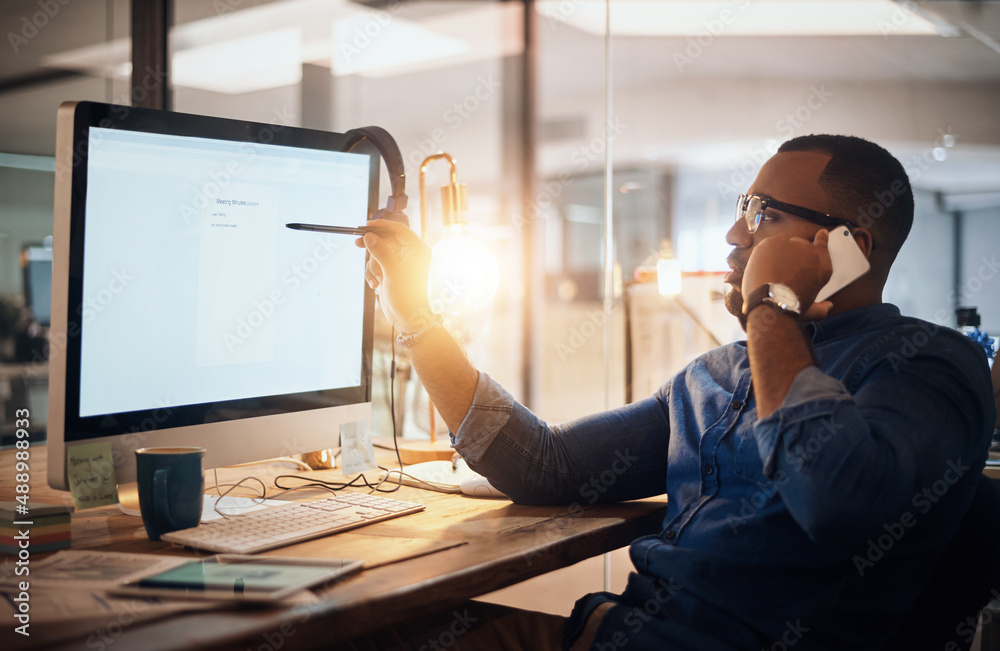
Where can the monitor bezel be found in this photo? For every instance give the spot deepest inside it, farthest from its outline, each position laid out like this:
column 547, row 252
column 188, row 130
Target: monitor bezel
column 308, row 420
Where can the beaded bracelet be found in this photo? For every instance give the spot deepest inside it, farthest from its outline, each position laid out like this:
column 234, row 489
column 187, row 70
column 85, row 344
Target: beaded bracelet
column 407, row 339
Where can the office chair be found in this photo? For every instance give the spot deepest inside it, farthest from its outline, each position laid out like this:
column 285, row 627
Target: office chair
column 964, row 581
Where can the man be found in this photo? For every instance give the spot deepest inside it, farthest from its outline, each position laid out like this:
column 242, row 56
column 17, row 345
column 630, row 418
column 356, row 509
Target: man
column 814, row 472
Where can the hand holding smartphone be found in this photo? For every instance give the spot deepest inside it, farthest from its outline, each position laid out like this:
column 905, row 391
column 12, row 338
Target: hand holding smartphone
column 849, row 262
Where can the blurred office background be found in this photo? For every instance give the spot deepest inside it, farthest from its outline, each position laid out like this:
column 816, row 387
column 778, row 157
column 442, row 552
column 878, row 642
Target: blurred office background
column 560, row 122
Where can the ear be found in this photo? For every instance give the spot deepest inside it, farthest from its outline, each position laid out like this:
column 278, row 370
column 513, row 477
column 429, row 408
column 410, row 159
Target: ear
column 863, row 237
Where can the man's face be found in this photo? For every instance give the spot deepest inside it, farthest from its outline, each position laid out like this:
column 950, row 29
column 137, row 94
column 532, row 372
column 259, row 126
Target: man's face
column 791, row 177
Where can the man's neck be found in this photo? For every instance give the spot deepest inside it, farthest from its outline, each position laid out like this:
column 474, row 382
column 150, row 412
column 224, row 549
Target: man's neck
column 852, row 298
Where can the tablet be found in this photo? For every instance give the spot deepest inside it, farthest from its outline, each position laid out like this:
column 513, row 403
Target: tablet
column 235, row 577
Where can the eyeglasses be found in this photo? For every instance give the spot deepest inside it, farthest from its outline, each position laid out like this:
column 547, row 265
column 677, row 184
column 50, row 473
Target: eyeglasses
column 751, row 207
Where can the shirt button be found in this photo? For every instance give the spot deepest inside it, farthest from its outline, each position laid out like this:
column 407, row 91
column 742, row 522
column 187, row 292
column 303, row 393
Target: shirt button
column 736, row 404
column 709, row 469
column 670, row 534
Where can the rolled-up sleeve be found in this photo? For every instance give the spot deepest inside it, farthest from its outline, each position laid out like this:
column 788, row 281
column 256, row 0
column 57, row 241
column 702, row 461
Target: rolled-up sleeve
column 491, row 407
column 612, row 456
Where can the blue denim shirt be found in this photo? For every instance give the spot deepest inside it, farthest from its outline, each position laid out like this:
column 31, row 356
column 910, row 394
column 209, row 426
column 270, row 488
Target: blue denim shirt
column 815, row 527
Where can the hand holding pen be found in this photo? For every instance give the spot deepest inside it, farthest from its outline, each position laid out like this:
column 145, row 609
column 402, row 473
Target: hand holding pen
column 397, row 268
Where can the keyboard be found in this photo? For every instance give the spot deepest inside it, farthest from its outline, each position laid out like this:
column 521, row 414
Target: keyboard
column 294, row 522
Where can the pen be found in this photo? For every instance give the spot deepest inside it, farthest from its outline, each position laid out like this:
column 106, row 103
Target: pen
column 250, row 559
column 343, row 230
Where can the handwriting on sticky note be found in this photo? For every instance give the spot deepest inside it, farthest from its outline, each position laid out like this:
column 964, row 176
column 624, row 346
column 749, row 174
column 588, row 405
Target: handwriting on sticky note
column 91, row 473
column 356, row 449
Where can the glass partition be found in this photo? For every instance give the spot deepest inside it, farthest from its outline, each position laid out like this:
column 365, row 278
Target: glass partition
column 439, row 76
column 707, row 91
column 35, row 77
column 700, row 94
column 656, row 121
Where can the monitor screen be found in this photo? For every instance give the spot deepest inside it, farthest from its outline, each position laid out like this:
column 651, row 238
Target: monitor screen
column 184, row 312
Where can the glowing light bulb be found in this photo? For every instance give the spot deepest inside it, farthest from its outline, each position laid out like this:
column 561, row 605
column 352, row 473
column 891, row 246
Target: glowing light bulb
column 464, row 275
column 668, row 271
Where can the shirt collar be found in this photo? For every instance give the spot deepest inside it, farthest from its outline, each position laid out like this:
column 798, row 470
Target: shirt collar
column 851, row 321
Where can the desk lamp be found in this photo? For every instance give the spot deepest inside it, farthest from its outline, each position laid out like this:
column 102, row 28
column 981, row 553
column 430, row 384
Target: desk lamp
column 463, row 278
column 463, row 274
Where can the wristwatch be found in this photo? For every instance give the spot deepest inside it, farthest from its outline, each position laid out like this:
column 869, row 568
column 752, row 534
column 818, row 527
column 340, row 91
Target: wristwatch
column 779, row 295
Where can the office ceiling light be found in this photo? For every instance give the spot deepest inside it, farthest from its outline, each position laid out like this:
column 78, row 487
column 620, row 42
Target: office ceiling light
column 379, row 44
column 242, row 65
column 257, row 61
column 111, row 59
column 311, row 18
column 221, row 53
column 747, row 18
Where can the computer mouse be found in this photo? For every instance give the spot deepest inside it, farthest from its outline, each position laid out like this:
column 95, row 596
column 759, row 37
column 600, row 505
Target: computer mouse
column 479, row 486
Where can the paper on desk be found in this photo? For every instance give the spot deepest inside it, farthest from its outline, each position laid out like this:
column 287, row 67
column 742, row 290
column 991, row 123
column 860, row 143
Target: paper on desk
column 82, row 569
column 229, row 505
column 92, row 608
column 234, row 506
column 67, row 596
column 444, row 476
column 356, row 450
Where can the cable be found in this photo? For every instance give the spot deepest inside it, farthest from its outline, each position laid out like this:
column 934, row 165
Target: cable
column 333, row 486
column 433, row 485
column 392, row 415
column 292, row 460
column 261, row 494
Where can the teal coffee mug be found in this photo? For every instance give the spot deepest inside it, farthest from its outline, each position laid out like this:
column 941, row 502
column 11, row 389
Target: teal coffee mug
column 171, row 486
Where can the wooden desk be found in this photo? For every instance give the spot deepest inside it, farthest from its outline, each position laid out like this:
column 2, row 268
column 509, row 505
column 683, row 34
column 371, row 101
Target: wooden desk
column 458, row 548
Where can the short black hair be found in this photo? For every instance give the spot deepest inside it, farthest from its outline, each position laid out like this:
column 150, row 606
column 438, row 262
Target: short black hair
column 866, row 185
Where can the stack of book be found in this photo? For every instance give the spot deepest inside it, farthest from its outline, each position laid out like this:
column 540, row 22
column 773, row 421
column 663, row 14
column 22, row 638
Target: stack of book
column 34, row 526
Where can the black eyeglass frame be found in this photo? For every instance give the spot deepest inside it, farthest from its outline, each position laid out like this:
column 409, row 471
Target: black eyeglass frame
column 816, row 217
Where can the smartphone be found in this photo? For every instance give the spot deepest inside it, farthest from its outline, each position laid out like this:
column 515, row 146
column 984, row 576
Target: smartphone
column 849, row 262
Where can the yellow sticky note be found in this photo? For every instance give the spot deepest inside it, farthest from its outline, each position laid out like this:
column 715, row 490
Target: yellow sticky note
column 91, row 473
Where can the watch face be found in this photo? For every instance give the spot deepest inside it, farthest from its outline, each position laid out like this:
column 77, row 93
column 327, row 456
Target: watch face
column 784, row 297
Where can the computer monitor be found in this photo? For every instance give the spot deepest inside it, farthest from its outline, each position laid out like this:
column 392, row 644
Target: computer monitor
column 36, row 271
column 183, row 311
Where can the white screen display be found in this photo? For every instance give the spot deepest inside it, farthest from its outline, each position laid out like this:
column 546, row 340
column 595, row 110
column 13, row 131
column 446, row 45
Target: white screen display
column 193, row 289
